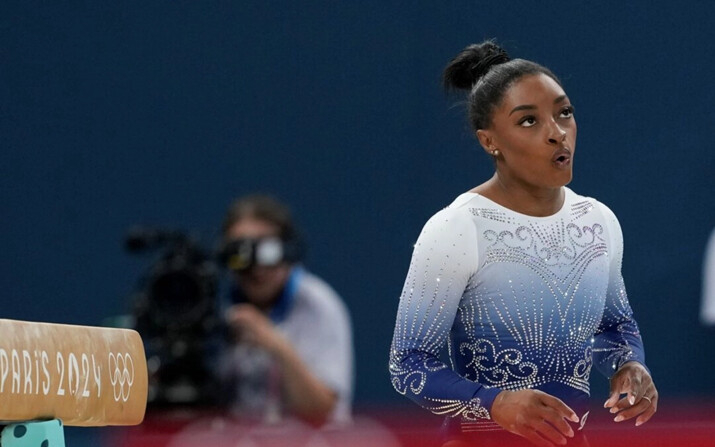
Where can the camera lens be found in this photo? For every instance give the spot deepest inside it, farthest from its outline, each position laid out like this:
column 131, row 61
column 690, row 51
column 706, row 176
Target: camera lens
column 177, row 298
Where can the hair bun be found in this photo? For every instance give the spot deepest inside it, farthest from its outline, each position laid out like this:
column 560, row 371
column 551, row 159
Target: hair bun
column 473, row 63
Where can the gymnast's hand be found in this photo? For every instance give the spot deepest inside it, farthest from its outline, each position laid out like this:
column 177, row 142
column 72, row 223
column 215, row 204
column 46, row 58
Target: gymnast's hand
column 535, row 415
column 641, row 397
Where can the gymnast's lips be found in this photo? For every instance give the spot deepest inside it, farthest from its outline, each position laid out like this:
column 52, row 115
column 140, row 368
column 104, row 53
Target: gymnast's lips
column 562, row 158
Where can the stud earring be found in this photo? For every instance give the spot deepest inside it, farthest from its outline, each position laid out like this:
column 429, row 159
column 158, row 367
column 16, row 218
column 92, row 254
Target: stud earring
column 495, row 153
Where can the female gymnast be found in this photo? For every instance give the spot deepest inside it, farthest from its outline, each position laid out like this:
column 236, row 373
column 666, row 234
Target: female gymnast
column 519, row 278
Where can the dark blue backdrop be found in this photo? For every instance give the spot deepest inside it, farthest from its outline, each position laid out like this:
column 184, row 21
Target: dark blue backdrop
column 161, row 112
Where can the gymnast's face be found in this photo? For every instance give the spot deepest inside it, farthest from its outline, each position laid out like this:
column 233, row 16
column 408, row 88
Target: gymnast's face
column 535, row 132
column 260, row 284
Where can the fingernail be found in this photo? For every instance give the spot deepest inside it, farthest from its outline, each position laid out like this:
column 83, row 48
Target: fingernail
column 574, row 418
column 618, row 418
column 638, row 423
column 632, row 400
column 570, row 433
column 614, row 410
column 605, row 404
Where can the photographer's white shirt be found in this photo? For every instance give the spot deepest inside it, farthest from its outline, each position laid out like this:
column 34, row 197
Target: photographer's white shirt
column 316, row 321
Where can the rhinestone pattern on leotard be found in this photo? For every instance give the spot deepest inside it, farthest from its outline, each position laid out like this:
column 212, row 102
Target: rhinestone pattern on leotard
column 519, row 302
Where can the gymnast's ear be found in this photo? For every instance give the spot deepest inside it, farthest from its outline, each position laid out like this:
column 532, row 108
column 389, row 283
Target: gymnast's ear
column 486, row 140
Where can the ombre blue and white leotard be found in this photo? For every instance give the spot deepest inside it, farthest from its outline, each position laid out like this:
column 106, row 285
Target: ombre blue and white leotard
column 517, row 301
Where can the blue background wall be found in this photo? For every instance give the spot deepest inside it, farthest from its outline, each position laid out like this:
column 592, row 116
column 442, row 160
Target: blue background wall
column 161, row 112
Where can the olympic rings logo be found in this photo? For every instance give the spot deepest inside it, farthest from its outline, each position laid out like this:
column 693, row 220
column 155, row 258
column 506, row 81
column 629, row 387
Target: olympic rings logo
column 121, row 375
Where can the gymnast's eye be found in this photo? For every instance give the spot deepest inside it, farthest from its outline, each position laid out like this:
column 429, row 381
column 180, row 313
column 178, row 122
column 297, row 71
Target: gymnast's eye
column 566, row 112
column 527, row 121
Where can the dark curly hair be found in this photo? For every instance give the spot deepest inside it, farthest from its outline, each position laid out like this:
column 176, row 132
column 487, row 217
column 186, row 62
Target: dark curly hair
column 262, row 207
column 486, row 71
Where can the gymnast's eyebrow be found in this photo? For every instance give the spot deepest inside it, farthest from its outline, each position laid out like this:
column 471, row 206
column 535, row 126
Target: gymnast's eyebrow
column 531, row 106
column 523, row 107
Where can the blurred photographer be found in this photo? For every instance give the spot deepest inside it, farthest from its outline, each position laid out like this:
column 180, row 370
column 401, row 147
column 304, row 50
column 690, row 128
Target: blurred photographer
column 292, row 353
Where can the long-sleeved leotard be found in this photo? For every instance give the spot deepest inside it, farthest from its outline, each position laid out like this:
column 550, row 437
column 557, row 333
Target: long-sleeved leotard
column 518, row 301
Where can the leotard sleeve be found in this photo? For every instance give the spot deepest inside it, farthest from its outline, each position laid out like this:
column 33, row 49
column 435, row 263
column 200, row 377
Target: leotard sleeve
column 617, row 339
column 443, row 261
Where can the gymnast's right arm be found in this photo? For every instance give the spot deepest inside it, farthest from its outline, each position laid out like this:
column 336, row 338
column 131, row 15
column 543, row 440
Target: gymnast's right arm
column 444, row 258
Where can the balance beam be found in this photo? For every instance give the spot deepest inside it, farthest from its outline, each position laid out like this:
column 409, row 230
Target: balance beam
column 84, row 376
